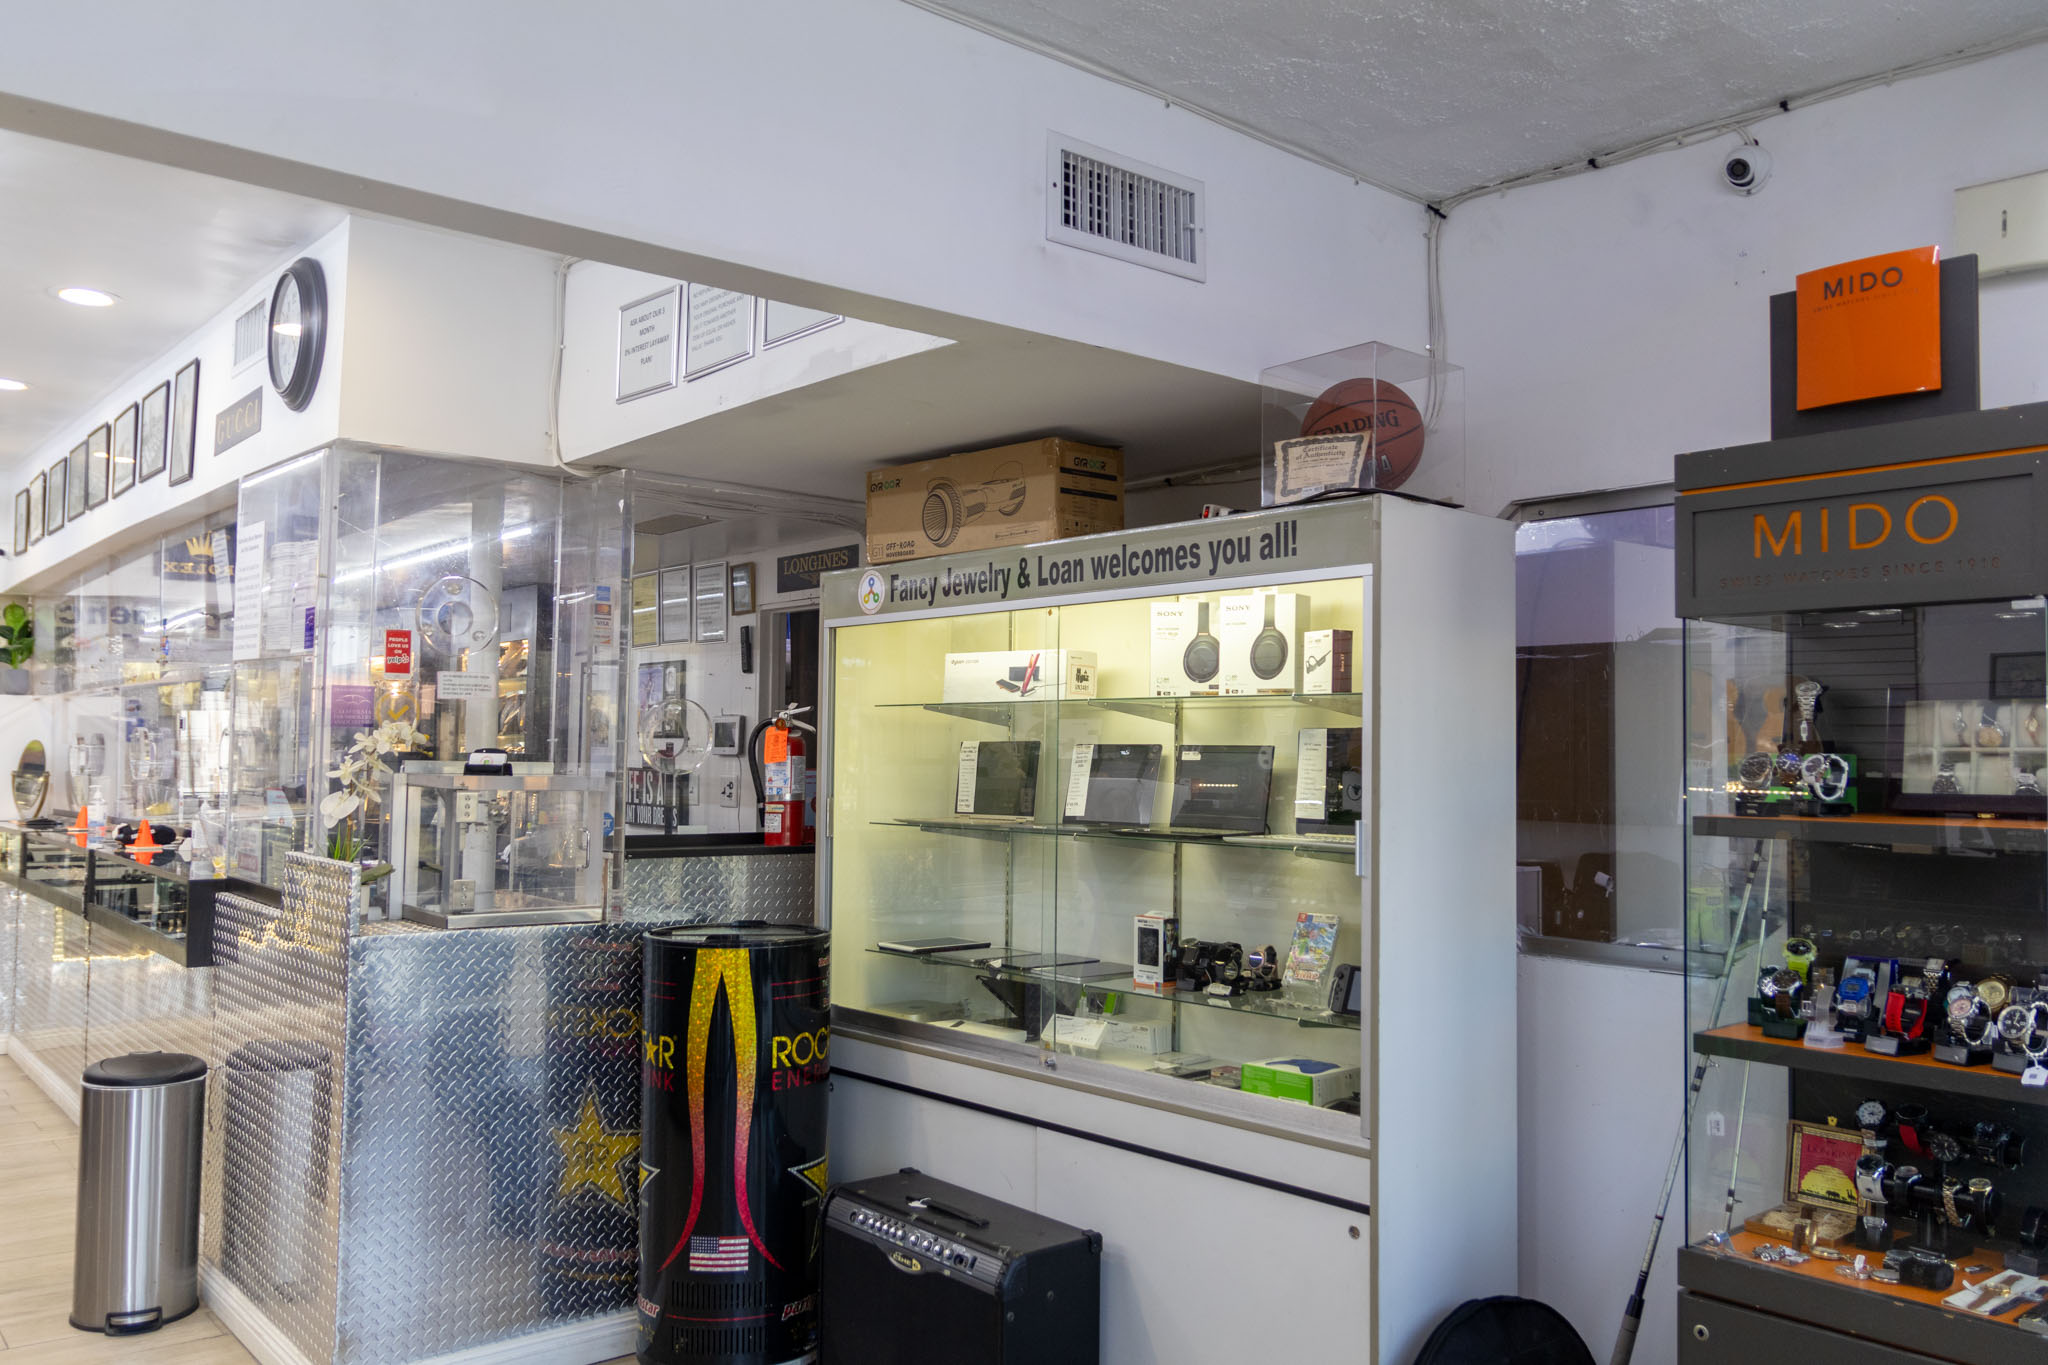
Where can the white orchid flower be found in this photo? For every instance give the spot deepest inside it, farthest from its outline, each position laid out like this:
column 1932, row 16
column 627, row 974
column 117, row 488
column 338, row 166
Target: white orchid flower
column 338, row 806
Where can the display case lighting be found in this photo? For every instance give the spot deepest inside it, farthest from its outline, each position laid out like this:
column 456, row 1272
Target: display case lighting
column 86, row 298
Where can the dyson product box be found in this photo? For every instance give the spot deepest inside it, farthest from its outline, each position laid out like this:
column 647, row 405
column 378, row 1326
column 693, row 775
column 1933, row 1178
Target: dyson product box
column 1020, row 675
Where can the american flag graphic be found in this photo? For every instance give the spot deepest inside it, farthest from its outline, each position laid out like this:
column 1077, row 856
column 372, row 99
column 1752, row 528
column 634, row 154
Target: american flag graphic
column 718, row 1255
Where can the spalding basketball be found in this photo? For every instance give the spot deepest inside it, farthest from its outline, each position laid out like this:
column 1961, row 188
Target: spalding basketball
column 1377, row 408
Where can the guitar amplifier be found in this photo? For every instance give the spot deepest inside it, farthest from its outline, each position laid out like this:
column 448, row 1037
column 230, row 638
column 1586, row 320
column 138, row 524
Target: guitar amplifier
column 914, row 1271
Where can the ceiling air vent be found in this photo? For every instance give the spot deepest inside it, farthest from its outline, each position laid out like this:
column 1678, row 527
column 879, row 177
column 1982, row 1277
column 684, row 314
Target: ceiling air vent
column 1101, row 202
column 249, row 332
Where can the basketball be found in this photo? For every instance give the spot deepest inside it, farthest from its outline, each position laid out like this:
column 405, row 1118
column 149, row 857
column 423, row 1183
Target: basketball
column 1380, row 410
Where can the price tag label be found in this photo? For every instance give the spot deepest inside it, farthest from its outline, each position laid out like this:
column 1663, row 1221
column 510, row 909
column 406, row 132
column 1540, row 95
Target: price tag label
column 2035, row 1076
column 963, row 790
column 1077, row 779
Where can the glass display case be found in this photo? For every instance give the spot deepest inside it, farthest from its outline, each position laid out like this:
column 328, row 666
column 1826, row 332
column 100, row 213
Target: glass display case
column 1866, row 898
column 398, row 611
column 1112, row 802
column 516, row 847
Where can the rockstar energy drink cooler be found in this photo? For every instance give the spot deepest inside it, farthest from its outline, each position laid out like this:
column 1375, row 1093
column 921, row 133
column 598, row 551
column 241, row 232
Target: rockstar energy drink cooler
column 736, row 1028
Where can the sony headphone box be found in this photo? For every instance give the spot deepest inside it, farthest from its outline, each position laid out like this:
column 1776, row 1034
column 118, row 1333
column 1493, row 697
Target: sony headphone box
column 1049, row 489
column 1187, row 655
column 1261, row 637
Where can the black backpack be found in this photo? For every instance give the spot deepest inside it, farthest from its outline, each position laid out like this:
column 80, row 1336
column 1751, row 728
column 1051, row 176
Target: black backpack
column 1504, row 1331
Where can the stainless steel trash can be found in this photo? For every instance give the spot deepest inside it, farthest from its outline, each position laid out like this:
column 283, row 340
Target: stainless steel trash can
column 140, row 1130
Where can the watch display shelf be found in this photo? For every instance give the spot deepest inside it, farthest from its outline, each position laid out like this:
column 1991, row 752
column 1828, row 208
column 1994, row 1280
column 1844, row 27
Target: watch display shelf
column 1931, row 900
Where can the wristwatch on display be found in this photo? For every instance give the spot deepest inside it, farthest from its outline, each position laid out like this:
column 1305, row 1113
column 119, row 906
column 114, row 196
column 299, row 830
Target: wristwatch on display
column 1905, row 1009
column 1799, row 955
column 1980, row 1191
column 1826, row 776
column 1806, row 692
column 1990, row 734
column 1781, row 989
column 1870, row 1116
column 1755, row 769
column 1994, row 990
column 1949, row 1190
column 1945, row 783
column 1994, row 1144
column 1852, row 997
column 1870, row 1173
column 1966, row 1009
column 1912, row 1125
column 1943, row 1147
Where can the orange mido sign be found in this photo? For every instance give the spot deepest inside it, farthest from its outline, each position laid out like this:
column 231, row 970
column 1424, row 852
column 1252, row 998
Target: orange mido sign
column 1870, row 328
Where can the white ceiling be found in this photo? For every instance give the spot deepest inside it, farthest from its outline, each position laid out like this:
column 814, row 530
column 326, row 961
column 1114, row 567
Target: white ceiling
column 1431, row 97
column 175, row 247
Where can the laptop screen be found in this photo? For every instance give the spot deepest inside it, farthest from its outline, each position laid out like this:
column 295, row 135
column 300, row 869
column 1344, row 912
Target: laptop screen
column 1112, row 784
column 1222, row 787
column 997, row 777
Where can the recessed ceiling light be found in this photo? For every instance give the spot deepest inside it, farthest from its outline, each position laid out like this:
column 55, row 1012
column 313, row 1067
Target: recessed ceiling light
column 86, row 298
column 11, row 386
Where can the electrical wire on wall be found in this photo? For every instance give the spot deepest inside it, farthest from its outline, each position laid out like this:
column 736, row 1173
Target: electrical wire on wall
column 1439, row 342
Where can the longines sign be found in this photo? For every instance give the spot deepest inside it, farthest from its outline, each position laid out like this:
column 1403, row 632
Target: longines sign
column 1949, row 531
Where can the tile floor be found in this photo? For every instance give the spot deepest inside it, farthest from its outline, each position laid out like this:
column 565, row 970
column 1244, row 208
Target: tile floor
column 38, row 1190
column 38, row 1184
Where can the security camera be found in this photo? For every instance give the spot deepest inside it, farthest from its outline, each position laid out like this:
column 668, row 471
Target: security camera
column 1746, row 168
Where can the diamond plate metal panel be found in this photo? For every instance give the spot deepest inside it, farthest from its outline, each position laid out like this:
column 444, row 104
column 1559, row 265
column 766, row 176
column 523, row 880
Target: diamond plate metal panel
column 272, row 1225
column 492, row 1144
column 50, row 995
column 778, row 888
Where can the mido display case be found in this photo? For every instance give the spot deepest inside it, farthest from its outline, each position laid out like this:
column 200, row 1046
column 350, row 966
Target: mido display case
column 1867, row 914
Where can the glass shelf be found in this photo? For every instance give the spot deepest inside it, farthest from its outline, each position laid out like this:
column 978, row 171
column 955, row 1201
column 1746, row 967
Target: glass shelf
column 1089, row 976
column 1163, row 709
column 1294, row 843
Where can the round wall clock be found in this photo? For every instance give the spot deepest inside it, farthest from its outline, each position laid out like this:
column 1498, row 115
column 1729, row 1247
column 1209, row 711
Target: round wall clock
column 298, row 331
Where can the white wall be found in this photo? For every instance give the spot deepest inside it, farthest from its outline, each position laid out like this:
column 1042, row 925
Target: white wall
column 1611, row 320
column 155, row 506
column 841, row 154
column 594, row 420
column 452, row 344
column 436, row 343
column 1602, row 1081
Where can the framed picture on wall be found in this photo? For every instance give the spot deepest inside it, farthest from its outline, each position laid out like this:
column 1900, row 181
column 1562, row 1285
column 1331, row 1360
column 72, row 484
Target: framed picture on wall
column 56, row 504
column 710, row 606
column 97, row 447
column 70, row 493
column 21, row 521
column 37, row 494
column 742, row 595
column 675, row 606
column 127, row 428
column 184, row 421
column 153, row 449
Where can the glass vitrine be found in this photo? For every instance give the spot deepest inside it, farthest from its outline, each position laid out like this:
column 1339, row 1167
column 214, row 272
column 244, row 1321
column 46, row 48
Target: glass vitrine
column 400, row 610
column 1867, row 911
column 1123, row 828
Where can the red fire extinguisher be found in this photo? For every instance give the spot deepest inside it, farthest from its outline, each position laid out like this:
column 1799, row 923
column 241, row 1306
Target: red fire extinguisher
column 785, row 789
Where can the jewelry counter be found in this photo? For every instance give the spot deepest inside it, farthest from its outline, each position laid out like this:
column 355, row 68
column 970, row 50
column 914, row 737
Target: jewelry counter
column 425, row 1141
